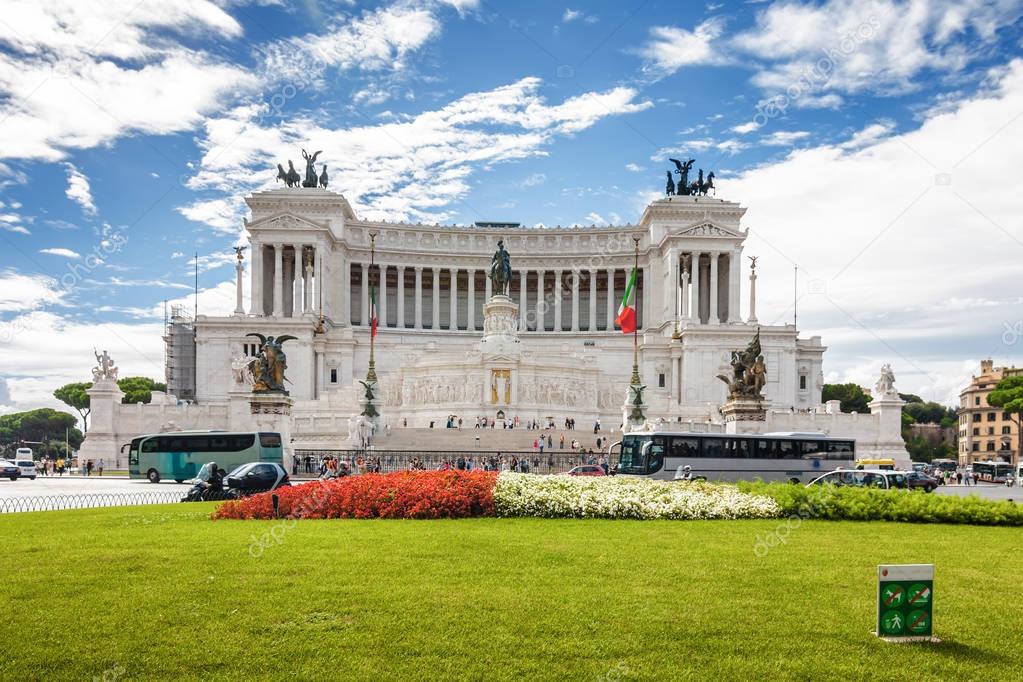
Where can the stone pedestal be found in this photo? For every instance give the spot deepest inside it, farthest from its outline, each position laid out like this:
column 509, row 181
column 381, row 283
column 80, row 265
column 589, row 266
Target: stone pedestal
column 888, row 407
column 500, row 328
column 272, row 412
column 633, row 411
column 101, row 439
column 744, row 415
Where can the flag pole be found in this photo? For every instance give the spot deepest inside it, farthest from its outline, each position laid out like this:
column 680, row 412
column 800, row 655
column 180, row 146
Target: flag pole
column 635, row 329
column 371, row 374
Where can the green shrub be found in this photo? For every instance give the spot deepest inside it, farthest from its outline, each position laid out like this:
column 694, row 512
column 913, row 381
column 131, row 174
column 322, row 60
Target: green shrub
column 871, row 504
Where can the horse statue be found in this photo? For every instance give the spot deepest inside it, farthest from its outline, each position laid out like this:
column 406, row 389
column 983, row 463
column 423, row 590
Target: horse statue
column 282, row 175
column 310, row 169
column 292, row 178
column 683, row 174
column 702, row 186
column 323, row 177
column 710, row 183
column 500, row 270
column 669, row 188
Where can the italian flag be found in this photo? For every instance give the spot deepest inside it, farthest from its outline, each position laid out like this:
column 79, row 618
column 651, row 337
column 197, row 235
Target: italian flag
column 373, row 311
column 626, row 311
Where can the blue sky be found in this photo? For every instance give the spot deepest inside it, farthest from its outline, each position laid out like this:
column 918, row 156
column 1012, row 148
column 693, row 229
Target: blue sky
column 872, row 140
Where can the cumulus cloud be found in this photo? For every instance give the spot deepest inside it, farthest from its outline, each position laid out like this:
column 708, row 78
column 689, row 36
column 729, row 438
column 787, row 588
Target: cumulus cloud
column 907, row 243
column 814, row 53
column 412, row 168
column 20, row 292
column 78, row 189
column 77, row 75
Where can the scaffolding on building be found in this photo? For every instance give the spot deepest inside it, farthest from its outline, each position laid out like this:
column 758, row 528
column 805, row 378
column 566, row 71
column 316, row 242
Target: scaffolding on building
column 179, row 352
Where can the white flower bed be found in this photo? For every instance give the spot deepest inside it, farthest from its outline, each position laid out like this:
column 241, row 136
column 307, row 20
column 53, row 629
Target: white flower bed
column 622, row 497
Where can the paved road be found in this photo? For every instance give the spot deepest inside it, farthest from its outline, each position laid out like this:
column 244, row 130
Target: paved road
column 987, row 491
column 72, row 485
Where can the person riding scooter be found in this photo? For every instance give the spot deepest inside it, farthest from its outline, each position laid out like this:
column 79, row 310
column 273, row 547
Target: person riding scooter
column 207, row 485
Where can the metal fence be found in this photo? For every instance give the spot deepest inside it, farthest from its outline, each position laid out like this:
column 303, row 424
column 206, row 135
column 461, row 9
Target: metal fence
column 11, row 505
column 548, row 462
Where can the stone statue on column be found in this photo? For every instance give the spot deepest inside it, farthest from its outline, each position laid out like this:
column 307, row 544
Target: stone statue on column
column 500, row 270
column 105, row 369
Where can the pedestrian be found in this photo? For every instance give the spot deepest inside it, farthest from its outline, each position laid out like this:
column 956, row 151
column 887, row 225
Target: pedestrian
column 562, row 442
column 88, row 468
column 100, row 467
column 459, row 423
column 294, row 465
column 541, row 444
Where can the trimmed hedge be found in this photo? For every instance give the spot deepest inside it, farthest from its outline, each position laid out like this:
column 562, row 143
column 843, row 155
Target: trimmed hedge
column 871, row 504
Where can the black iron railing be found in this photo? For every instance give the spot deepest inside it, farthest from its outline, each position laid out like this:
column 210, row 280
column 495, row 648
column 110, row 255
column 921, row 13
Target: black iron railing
column 91, row 501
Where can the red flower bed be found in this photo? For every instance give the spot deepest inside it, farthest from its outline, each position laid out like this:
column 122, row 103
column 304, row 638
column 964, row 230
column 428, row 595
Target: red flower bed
column 397, row 495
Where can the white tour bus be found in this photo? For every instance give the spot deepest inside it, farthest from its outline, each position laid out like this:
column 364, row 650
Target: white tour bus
column 795, row 457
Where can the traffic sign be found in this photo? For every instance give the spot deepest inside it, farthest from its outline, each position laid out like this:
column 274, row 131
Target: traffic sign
column 905, row 597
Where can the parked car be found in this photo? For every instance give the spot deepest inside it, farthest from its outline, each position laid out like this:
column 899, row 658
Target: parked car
column 27, row 468
column 9, row 470
column 863, row 478
column 918, row 479
column 587, row 470
column 256, row 477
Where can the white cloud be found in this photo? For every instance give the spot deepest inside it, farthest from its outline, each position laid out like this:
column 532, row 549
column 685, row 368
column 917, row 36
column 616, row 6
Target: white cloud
column 62, row 252
column 78, row 75
column 633, row 168
column 744, row 128
column 78, row 189
column 571, row 15
column 810, row 54
column 671, row 48
column 20, row 293
column 869, row 135
column 534, row 180
column 731, row 147
column 894, row 237
column 784, row 138
column 412, row 168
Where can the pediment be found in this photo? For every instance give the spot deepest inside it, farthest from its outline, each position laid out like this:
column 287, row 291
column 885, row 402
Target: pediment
column 285, row 221
column 708, row 228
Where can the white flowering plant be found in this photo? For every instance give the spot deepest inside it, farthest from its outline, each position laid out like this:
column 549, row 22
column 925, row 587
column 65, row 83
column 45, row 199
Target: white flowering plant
column 623, row 497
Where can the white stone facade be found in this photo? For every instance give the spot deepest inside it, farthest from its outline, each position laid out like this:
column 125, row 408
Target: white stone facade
column 310, row 254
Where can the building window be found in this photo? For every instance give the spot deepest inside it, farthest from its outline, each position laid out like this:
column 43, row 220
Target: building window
column 802, row 382
column 991, row 447
column 990, row 430
column 660, row 380
column 333, row 376
column 991, row 416
column 1006, row 430
column 976, row 432
column 976, row 447
column 976, row 400
column 976, row 416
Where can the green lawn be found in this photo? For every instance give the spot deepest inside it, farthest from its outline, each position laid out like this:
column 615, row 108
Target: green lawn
column 162, row 592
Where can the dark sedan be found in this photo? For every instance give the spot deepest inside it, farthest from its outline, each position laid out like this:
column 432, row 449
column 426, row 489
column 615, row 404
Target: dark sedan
column 918, row 479
column 9, row 470
column 256, row 477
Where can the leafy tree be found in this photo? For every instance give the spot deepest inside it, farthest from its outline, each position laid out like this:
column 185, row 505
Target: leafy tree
column 927, row 413
column 139, row 389
column 911, row 398
column 1008, row 395
column 852, row 397
column 45, row 428
column 74, row 395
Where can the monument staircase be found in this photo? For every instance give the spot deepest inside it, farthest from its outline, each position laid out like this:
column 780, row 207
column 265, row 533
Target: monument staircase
column 490, row 440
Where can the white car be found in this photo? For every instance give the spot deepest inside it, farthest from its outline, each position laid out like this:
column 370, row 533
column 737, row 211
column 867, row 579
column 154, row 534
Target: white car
column 27, row 467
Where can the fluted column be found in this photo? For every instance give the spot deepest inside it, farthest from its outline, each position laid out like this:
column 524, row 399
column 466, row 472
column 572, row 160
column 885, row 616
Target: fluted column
column 695, row 311
column 436, row 298
column 381, row 296
column 453, row 288
column 364, row 309
column 523, row 293
column 256, row 279
column 401, row 297
column 418, row 322
column 593, row 300
column 278, row 309
column 470, row 301
column 540, row 301
column 714, row 288
column 557, row 300
column 346, row 290
column 317, row 280
column 684, row 294
column 611, row 309
column 307, row 283
column 575, row 300
column 289, row 285
column 734, row 285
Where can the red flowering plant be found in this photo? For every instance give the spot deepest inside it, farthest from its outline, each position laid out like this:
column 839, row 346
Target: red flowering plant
column 397, row 495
